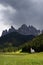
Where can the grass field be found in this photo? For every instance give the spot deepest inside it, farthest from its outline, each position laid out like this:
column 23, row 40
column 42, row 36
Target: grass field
column 21, row 59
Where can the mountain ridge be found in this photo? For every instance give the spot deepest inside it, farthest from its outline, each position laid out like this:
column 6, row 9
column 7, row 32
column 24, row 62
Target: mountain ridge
column 24, row 30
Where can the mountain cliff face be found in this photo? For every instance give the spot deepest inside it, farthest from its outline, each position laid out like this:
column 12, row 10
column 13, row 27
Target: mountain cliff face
column 24, row 30
column 5, row 32
column 30, row 30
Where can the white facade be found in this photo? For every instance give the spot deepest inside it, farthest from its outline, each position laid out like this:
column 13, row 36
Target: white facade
column 32, row 50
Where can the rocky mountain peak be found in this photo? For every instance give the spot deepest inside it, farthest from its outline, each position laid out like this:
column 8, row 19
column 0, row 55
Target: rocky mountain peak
column 24, row 30
column 12, row 29
column 28, row 30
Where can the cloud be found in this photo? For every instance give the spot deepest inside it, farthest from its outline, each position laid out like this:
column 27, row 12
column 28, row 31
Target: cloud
column 6, row 13
column 17, row 12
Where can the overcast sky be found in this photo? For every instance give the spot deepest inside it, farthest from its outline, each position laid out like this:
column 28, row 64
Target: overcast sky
column 18, row 12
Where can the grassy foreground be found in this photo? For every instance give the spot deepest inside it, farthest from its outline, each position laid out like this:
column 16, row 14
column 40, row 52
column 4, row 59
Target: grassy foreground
column 21, row 59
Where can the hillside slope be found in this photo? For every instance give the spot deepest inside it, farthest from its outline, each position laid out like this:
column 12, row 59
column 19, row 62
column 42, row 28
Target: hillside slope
column 15, row 39
column 36, row 44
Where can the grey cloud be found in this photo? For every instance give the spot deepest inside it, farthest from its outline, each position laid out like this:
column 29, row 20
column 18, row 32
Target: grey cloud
column 27, row 12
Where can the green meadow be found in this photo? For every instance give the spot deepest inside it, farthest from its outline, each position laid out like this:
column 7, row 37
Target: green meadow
column 21, row 59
